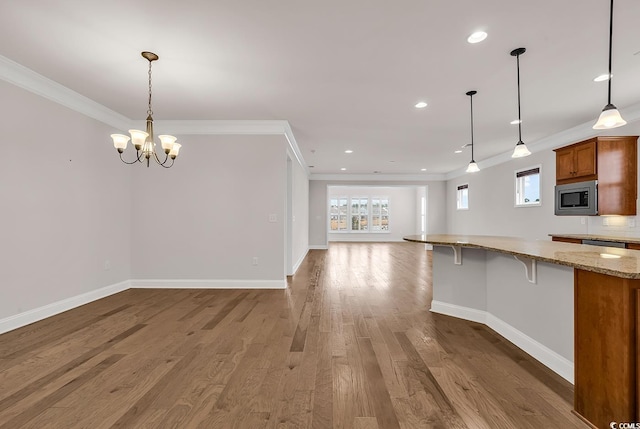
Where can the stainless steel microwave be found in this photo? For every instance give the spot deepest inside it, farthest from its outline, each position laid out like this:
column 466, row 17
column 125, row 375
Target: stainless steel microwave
column 577, row 199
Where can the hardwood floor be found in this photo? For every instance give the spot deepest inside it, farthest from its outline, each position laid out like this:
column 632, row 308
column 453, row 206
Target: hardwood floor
column 350, row 344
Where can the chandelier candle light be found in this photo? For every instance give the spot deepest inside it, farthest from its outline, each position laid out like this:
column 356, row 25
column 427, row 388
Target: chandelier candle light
column 473, row 167
column 521, row 148
column 143, row 141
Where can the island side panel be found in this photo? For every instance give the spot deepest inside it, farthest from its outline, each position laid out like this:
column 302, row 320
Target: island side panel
column 606, row 348
column 542, row 311
column 460, row 290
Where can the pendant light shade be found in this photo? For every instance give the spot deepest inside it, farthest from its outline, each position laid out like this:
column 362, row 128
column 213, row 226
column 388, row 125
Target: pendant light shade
column 473, row 167
column 610, row 117
column 521, row 149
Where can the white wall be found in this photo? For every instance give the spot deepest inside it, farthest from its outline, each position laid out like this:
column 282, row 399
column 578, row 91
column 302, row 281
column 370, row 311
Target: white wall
column 208, row 216
column 318, row 223
column 300, row 224
column 491, row 203
column 66, row 207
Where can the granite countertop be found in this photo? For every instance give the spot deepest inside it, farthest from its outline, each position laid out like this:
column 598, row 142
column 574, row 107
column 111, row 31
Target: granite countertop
column 612, row 261
column 599, row 237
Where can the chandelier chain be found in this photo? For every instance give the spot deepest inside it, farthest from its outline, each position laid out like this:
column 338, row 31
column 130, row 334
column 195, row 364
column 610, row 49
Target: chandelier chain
column 149, row 111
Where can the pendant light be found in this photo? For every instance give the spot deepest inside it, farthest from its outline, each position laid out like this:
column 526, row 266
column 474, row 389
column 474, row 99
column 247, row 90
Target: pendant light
column 473, row 167
column 610, row 117
column 521, row 148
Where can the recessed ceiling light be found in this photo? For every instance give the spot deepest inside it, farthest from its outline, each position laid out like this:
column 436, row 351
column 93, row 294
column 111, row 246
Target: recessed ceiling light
column 348, row 151
column 423, row 169
column 477, row 37
column 421, row 105
column 602, row 77
column 515, row 122
column 343, row 169
column 458, row 151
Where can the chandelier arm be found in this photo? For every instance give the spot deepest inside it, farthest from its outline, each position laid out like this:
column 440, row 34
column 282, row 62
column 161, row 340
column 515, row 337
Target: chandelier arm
column 134, row 161
column 165, row 162
column 162, row 164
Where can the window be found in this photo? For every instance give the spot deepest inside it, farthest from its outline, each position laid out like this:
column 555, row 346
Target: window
column 359, row 214
column 338, row 213
column 528, row 187
column 463, row 197
column 379, row 214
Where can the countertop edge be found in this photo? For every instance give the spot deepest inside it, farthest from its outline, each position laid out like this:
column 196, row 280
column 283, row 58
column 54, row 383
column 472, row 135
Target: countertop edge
column 585, row 267
column 634, row 240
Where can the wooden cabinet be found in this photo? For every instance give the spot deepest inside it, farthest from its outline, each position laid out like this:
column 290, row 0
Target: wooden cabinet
column 567, row 240
column 576, row 163
column 606, row 348
column 612, row 161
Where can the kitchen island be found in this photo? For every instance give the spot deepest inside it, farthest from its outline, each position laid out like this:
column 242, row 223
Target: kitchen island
column 573, row 307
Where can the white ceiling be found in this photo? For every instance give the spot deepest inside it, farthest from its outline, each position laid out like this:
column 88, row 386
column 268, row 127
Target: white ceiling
column 345, row 74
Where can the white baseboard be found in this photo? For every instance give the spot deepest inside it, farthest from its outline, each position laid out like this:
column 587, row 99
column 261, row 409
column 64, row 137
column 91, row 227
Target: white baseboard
column 319, row 247
column 552, row 360
column 208, row 284
column 460, row 312
column 25, row 318
column 299, row 262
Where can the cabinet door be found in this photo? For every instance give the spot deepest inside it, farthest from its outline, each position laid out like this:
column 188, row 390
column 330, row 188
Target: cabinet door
column 617, row 175
column 585, row 159
column 564, row 163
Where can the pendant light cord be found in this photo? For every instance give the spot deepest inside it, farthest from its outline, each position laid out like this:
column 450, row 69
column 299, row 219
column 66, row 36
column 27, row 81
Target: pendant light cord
column 610, row 48
column 519, row 115
column 472, row 145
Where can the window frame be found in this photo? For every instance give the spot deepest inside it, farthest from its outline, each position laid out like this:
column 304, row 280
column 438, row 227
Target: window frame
column 516, row 187
column 459, row 200
column 350, row 199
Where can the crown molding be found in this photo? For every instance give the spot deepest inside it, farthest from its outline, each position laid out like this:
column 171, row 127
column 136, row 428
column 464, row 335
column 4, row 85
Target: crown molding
column 378, row 177
column 242, row 127
column 29, row 80
column 572, row 135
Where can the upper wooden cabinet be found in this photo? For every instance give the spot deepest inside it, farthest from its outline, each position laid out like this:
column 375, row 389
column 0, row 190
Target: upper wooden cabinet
column 576, row 163
column 612, row 161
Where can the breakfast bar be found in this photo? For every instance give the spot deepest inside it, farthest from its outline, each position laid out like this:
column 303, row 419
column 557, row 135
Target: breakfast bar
column 573, row 307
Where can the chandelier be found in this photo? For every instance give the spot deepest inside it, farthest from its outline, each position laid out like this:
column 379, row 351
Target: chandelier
column 143, row 141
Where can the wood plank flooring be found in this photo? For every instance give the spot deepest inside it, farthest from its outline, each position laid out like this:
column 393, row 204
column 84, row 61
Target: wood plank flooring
column 350, row 344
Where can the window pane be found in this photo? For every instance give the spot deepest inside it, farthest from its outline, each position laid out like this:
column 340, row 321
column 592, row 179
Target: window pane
column 528, row 187
column 333, row 214
column 384, row 213
column 462, row 197
column 343, row 213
